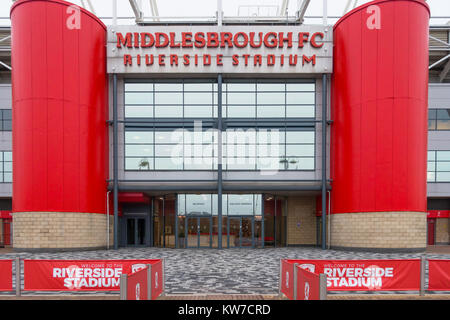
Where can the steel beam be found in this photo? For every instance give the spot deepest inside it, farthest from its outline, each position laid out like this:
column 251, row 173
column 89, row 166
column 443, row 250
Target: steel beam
column 302, row 10
column 439, row 62
column 444, row 72
column 136, row 10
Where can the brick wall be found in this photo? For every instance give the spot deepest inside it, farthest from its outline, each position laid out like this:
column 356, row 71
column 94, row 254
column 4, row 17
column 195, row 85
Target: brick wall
column 442, row 231
column 301, row 210
column 60, row 230
column 386, row 230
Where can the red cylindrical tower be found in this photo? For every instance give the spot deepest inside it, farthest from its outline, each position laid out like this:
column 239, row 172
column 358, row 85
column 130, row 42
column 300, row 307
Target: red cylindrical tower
column 59, row 85
column 379, row 133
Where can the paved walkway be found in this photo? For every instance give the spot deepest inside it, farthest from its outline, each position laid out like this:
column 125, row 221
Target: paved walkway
column 227, row 271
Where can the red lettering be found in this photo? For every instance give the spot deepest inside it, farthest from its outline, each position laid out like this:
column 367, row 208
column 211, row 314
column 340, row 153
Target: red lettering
column 302, row 37
column 270, row 59
column 161, row 59
column 144, row 43
column 127, row 60
column 282, row 60
column 252, row 37
column 313, row 39
column 172, row 41
column 288, row 39
column 226, row 37
column 219, row 59
column 235, row 58
column 186, row 38
column 206, row 59
column 309, row 59
column 173, row 59
column 148, row 59
column 136, row 40
column 196, row 60
column 200, row 40
column 159, row 44
column 236, row 40
column 293, row 59
column 124, row 41
column 270, row 43
column 257, row 59
column 213, row 39
column 186, row 60
column 138, row 59
column 246, row 56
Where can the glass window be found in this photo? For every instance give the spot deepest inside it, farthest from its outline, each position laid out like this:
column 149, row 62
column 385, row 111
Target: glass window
column 271, row 111
column 270, row 87
column 138, row 137
column 301, row 87
column 241, row 112
column 249, row 87
column 198, row 112
column 438, row 119
column 139, row 111
column 5, row 166
column 198, row 98
column 168, row 98
column 144, row 98
column 138, row 164
column 6, row 120
column 168, row 111
column 175, row 87
column 198, row 204
column 138, row 87
column 300, row 137
column 240, row 204
column 198, row 87
column 300, row 112
column 139, row 150
column 239, row 98
column 438, row 166
column 300, row 97
column 271, row 98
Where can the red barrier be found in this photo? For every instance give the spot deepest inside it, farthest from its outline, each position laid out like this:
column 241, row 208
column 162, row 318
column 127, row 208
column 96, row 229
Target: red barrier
column 157, row 279
column 366, row 275
column 287, row 279
column 137, row 288
column 439, row 275
column 78, row 275
column 6, row 275
column 308, row 285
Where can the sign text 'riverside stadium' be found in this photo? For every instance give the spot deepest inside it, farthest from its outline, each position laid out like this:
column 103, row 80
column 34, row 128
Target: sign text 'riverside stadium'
column 239, row 40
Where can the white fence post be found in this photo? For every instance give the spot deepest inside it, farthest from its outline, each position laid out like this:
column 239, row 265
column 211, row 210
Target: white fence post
column 423, row 262
column 123, row 287
column 18, row 282
column 149, row 282
column 295, row 282
column 322, row 286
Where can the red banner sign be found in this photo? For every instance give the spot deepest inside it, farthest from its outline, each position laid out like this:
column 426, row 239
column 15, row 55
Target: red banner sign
column 287, row 279
column 308, row 285
column 6, row 275
column 438, row 214
column 137, row 285
column 157, row 279
column 78, row 275
column 366, row 275
column 439, row 275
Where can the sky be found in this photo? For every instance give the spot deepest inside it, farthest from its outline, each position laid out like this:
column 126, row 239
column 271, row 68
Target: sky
column 190, row 8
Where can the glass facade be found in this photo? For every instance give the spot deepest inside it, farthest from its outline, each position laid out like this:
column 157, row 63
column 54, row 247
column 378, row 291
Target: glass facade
column 6, row 166
column 268, row 126
column 5, row 119
column 438, row 119
column 197, row 221
column 438, row 169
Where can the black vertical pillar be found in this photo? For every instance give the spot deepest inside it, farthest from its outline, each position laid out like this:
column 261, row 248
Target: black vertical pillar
column 219, row 160
column 324, row 161
column 115, row 165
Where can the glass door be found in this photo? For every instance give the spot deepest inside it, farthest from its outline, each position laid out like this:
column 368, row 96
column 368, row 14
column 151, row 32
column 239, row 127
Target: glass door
column 136, row 229
column 234, row 232
column 247, row 232
column 204, row 232
column 192, row 232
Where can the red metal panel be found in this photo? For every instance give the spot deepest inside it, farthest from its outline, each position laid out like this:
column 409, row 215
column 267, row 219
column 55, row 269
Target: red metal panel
column 59, row 109
column 379, row 108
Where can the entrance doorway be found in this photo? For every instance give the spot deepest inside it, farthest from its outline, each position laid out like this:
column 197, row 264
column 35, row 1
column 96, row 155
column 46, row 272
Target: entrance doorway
column 135, row 231
column 240, row 232
column 199, row 232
